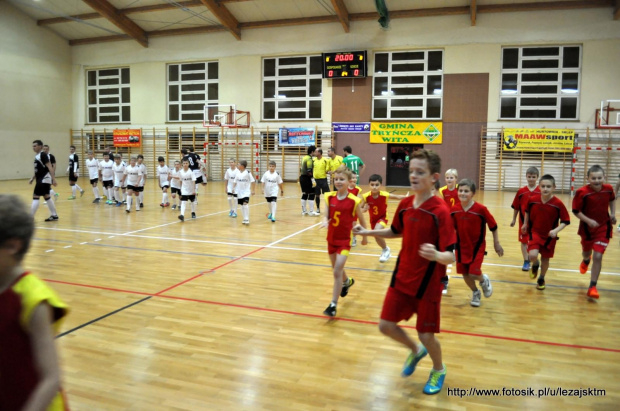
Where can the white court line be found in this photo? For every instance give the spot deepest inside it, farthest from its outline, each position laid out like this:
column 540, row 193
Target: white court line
column 49, row 251
column 68, row 246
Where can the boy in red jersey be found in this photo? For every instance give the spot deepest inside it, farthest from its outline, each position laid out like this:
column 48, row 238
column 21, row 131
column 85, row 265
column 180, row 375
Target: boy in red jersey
column 354, row 189
column 424, row 223
column 375, row 202
column 30, row 313
column 590, row 206
column 519, row 205
column 449, row 192
column 341, row 210
column 470, row 220
column 545, row 217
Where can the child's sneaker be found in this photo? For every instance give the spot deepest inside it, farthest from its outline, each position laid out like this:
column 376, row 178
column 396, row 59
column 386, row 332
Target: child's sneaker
column 81, row 193
column 534, row 271
column 181, row 217
column 167, row 205
column 161, row 205
column 475, row 299
column 541, row 284
column 55, row 218
column 269, row 217
column 234, row 215
column 273, row 219
column 435, row 381
column 592, row 292
column 487, row 288
column 193, row 215
column 444, row 283
column 71, row 198
column 174, row 206
column 413, row 360
column 118, row 204
column 526, row 266
column 385, row 255
column 330, row 311
column 56, row 196
column 230, row 213
column 354, row 242
column 345, row 287
column 583, row 267
column 96, row 201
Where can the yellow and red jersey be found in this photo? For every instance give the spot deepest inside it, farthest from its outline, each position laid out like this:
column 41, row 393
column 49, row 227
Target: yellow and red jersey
column 377, row 207
column 451, row 197
column 342, row 215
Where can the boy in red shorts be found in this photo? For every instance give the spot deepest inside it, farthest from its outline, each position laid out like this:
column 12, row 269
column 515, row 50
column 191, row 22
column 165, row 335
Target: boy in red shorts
column 341, row 210
column 375, row 202
column 545, row 217
column 519, row 205
column 590, row 205
column 423, row 221
column 470, row 221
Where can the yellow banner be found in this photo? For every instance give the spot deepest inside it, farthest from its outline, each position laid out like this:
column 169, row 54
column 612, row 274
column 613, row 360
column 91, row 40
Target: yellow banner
column 406, row 133
column 530, row 139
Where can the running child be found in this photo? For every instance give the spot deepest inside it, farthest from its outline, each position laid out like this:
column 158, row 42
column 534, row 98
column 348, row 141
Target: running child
column 271, row 181
column 244, row 187
column 375, row 202
column 545, row 217
column 164, row 180
column 596, row 224
column 74, row 166
column 119, row 179
column 341, row 210
column 354, row 189
column 132, row 178
column 230, row 176
column 519, row 205
column 140, row 187
column 30, row 317
column 92, row 164
column 175, row 184
column 449, row 192
column 470, row 221
column 106, row 175
column 423, row 221
column 188, row 190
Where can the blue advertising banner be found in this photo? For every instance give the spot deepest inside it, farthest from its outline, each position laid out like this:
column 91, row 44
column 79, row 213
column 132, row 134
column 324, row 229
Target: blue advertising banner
column 297, row 136
column 351, row 127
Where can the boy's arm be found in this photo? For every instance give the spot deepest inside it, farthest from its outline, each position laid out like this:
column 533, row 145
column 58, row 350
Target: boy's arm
column 51, row 171
column 429, row 252
column 515, row 212
column 281, row 185
column 585, row 219
column 384, row 233
column 498, row 248
column 252, row 188
column 399, row 196
column 612, row 211
column 554, row 233
column 526, row 221
column 45, row 359
column 362, row 219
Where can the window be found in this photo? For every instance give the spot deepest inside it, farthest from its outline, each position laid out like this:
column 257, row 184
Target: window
column 189, row 139
column 292, row 88
column 191, row 86
column 540, row 83
column 408, row 85
column 108, row 96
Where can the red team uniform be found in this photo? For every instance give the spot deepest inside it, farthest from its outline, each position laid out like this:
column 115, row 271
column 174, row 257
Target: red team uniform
column 451, row 197
column 342, row 215
column 594, row 205
column 544, row 218
column 377, row 208
column 355, row 191
column 520, row 204
column 415, row 286
column 471, row 231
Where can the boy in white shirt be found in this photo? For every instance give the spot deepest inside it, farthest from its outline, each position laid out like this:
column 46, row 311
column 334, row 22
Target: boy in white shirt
column 93, row 173
column 230, row 176
column 106, row 175
column 140, row 188
column 175, row 183
column 164, row 177
column 132, row 178
column 119, row 175
column 244, row 187
column 271, row 181
column 188, row 189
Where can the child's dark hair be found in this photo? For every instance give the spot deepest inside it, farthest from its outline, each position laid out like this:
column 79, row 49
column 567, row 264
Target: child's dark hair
column 432, row 158
column 160, row 158
column 532, row 170
column 596, row 169
column 141, row 156
column 243, row 163
column 272, row 163
column 436, row 186
column 15, row 223
column 547, row 177
column 310, row 150
column 37, row 142
column 468, row 183
column 73, row 147
column 375, row 177
column 348, row 149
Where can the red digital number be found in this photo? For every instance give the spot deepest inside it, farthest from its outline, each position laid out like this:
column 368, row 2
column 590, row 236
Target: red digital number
column 330, row 73
column 356, row 72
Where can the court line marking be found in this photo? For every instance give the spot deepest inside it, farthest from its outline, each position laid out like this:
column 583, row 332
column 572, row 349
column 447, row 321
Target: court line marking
column 318, row 316
column 190, row 240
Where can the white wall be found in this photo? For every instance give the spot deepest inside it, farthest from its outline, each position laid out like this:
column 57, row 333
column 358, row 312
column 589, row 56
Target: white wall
column 35, row 93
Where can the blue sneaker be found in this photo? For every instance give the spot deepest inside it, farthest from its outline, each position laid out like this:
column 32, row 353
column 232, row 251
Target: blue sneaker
column 413, row 360
column 435, row 381
column 273, row 219
column 526, row 266
column 230, row 213
column 269, row 217
column 118, row 204
column 234, row 215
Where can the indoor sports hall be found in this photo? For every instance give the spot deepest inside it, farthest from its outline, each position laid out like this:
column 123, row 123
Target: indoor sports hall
column 210, row 313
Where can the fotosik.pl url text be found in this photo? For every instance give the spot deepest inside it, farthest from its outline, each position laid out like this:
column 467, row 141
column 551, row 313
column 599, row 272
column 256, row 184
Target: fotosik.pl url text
column 525, row 392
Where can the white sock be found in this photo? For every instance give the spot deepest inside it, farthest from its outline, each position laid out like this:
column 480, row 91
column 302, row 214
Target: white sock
column 311, row 206
column 273, row 209
column 235, row 204
column 124, row 195
column 193, row 206
column 52, row 207
column 128, row 203
column 96, row 192
column 165, row 200
column 303, row 205
column 138, row 202
column 52, row 193
column 73, row 190
column 35, row 206
column 78, row 187
column 230, row 203
column 183, row 208
column 141, row 196
column 246, row 211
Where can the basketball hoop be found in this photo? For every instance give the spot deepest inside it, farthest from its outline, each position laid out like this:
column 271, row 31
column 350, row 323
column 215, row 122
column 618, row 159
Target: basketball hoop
column 225, row 116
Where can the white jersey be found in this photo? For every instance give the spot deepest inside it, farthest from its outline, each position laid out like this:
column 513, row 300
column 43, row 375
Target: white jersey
column 119, row 172
column 174, row 180
column 188, row 182
column 230, row 176
column 107, row 172
column 271, row 181
column 134, row 175
column 144, row 173
column 93, row 168
column 163, row 173
column 244, row 180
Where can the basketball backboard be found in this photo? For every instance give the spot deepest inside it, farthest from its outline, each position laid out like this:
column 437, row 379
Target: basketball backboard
column 608, row 115
column 225, row 115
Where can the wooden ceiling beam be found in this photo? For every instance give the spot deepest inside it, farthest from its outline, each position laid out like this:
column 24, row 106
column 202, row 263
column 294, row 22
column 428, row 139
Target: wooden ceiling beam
column 122, row 22
column 342, row 13
column 472, row 12
column 545, row 6
column 224, row 16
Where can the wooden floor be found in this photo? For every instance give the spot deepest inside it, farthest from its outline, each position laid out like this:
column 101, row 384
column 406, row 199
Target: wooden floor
column 212, row 314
